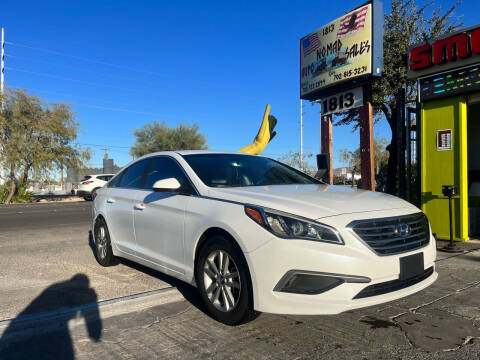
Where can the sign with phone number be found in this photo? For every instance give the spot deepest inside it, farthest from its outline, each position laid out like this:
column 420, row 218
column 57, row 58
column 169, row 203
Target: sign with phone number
column 343, row 101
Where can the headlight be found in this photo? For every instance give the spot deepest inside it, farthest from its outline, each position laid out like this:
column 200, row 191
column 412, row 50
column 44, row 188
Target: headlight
column 292, row 227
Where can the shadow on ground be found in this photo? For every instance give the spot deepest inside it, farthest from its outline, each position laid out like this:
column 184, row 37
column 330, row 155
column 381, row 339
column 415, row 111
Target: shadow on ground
column 189, row 292
column 40, row 331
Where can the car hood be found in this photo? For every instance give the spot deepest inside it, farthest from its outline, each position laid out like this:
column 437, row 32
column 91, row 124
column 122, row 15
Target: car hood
column 312, row 201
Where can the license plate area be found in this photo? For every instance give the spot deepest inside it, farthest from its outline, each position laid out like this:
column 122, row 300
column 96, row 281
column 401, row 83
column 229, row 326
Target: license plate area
column 411, row 266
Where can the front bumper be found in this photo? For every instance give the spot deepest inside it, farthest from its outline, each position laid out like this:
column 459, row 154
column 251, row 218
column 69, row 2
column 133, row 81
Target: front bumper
column 83, row 193
column 269, row 264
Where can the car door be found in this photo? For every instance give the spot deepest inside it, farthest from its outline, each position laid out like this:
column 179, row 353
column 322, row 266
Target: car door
column 120, row 204
column 159, row 217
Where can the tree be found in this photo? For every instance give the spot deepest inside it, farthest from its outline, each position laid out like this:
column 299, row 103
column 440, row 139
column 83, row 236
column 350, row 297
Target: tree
column 293, row 159
column 36, row 139
column 406, row 25
column 353, row 160
column 159, row 137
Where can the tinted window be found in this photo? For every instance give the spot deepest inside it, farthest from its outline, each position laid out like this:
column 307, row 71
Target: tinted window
column 116, row 181
column 133, row 175
column 231, row 170
column 86, row 177
column 108, row 177
column 101, row 178
column 164, row 168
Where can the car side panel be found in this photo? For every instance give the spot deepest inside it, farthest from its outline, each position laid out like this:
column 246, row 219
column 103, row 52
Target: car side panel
column 159, row 228
column 203, row 213
column 119, row 206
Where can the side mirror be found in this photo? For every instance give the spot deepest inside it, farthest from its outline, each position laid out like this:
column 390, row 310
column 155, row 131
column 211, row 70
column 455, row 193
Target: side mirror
column 166, row 185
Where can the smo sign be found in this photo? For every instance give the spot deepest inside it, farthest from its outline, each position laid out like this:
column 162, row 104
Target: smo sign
column 343, row 53
column 450, row 52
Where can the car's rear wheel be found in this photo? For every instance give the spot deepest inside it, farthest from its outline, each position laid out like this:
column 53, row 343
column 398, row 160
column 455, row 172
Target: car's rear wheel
column 103, row 246
column 223, row 280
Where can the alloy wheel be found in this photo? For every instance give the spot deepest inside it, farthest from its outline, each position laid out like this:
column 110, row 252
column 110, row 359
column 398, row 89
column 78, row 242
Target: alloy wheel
column 101, row 240
column 222, row 280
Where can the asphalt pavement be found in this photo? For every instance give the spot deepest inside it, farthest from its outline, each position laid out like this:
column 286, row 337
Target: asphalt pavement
column 20, row 217
column 43, row 244
column 57, row 303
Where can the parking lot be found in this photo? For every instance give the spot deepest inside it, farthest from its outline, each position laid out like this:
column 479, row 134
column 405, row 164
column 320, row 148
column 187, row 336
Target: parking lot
column 57, row 302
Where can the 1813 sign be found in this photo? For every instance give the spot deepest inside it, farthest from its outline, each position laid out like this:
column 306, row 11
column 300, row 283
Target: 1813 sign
column 342, row 101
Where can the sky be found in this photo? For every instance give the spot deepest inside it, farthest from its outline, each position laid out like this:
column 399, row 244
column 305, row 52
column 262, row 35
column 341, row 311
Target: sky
column 122, row 64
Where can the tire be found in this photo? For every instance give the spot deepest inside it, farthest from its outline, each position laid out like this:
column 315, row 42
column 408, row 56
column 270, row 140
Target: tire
column 103, row 246
column 87, row 198
column 228, row 298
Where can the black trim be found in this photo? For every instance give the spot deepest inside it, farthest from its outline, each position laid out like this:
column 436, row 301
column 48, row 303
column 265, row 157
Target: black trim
column 393, row 285
column 81, row 193
column 334, row 279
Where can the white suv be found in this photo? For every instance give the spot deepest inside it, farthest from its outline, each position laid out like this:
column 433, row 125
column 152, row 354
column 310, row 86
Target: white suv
column 91, row 183
column 254, row 234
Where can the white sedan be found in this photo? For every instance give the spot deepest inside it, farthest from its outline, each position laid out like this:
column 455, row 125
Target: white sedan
column 255, row 235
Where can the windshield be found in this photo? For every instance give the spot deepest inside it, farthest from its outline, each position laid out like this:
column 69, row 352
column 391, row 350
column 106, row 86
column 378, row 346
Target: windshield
column 232, row 170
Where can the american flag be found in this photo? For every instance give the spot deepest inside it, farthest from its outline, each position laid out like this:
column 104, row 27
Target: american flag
column 310, row 44
column 353, row 22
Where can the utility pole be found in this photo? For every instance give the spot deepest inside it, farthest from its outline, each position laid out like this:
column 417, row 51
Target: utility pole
column 301, row 134
column 2, row 67
column 105, row 155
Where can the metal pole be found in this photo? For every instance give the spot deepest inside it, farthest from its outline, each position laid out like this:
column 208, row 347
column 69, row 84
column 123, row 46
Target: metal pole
column 450, row 220
column 2, row 68
column 408, row 184
column 301, row 134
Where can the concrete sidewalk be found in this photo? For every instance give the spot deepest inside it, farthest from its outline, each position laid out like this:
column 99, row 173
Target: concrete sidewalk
column 441, row 322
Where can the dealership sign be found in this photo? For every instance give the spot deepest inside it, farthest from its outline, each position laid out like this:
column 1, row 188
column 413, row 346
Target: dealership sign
column 343, row 101
column 439, row 55
column 343, row 53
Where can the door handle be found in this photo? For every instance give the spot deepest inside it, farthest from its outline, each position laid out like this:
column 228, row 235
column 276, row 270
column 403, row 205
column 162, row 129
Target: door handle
column 140, row 206
column 110, row 201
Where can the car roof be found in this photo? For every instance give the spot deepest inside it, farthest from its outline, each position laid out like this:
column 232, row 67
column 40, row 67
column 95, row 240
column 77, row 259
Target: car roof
column 195, row 152
column 192, row 152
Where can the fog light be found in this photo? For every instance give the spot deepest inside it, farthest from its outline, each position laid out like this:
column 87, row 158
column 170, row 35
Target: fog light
column 309, row 284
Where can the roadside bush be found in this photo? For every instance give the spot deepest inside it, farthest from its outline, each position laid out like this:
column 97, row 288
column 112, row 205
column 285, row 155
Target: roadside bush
column 22, row 195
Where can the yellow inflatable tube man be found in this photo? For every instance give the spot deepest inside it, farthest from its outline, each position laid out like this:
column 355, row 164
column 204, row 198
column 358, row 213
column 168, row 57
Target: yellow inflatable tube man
column 264, row 136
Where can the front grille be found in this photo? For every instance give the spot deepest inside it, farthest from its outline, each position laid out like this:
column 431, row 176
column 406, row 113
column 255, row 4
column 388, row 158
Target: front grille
column 394, row 235
column 393, row 285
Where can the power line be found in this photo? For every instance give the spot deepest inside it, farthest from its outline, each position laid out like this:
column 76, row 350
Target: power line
column 67, row 94
column 79, row 69
column 75, row 80
column 103, row 145
column 120, row 110
column 95, row 61
column 94, row 106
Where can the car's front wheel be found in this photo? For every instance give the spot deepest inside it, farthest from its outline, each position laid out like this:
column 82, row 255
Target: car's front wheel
column 223, row 280
column 103, row 246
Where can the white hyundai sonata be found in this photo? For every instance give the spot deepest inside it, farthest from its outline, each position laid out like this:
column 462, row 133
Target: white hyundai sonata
column 255, row 235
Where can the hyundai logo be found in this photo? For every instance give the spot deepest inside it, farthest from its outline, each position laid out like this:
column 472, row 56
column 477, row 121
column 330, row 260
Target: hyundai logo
column 403, row 229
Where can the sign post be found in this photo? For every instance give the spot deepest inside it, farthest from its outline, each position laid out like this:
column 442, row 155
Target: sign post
column 326, row 144
column 337, row 61
column 366, row 147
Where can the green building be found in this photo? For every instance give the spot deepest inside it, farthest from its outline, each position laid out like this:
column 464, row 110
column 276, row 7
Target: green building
column 448, row 76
